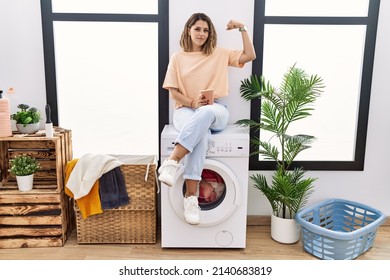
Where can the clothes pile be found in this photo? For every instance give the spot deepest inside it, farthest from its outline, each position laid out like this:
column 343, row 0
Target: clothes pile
column 211, row 187
column 96, row 183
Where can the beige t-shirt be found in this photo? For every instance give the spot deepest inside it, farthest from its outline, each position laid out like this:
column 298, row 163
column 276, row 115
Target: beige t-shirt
column 191, row 72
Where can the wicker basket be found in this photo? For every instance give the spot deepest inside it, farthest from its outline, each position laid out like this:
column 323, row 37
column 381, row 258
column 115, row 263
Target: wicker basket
column 338, row 229
column 133, row 223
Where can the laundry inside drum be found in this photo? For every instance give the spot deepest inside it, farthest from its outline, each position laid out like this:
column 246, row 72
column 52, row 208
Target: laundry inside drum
column 211, row 191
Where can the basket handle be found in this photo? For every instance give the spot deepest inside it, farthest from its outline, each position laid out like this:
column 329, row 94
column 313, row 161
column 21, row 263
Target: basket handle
column 147, row 174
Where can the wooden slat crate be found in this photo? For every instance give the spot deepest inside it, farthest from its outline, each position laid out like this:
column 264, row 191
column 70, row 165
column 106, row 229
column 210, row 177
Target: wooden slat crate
column 44, row 216
column 51, row 153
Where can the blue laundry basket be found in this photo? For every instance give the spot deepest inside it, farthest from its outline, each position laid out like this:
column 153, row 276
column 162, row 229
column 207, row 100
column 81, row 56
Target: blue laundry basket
column 338, row 229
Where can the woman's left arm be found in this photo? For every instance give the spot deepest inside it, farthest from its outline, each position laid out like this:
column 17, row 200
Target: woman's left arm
column 248, row 53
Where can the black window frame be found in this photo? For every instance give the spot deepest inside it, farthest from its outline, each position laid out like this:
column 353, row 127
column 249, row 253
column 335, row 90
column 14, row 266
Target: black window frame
column 371, row 22
column 162, row 18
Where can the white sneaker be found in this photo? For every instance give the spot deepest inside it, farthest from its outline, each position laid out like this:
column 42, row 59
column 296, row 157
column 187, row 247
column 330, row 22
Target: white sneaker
column 191, row 210
column 167, row 171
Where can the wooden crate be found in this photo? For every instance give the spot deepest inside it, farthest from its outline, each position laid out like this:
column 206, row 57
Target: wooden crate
column 51, row 153
column 44, row 216
column 39, row 218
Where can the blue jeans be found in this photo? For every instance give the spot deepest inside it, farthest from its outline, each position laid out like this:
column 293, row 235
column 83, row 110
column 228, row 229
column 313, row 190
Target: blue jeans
column 195, row 128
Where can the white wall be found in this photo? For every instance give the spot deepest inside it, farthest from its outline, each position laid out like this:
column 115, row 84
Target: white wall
column 21, row 53
column 22, row 67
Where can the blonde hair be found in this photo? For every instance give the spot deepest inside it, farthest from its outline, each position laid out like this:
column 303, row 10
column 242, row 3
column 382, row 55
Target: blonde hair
column 211, row 42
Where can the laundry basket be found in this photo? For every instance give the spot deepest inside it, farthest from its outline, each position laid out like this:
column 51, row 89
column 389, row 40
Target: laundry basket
column 133, row 223
column 338, row 229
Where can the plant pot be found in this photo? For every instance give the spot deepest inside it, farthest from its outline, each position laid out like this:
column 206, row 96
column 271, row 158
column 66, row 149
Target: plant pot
column 25, row 183
column 286, row 231
column 28, row 129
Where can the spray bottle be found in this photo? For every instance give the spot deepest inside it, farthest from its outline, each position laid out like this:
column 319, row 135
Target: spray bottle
column 5, row 121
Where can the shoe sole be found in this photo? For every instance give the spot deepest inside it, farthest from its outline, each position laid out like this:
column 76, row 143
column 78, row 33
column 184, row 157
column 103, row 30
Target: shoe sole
column 192, row 224
column 165, row 182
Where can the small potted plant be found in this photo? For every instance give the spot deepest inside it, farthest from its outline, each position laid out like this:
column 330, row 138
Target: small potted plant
column 24, row 167
column 27, row 119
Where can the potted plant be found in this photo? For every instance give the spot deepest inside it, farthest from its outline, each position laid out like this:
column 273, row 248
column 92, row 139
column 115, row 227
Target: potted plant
column 289, row 190
column 24, row 167
column 27, row 119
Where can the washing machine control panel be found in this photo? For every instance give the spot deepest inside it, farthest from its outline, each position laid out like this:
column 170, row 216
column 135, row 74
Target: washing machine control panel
column 231, row 142
column 231, row 147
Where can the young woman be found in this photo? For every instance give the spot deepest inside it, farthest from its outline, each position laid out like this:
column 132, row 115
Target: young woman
column 200, row 65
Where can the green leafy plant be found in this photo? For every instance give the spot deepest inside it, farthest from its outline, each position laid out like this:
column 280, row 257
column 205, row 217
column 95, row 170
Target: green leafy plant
column 26, row 115
column 288, row 190
column 23, row 165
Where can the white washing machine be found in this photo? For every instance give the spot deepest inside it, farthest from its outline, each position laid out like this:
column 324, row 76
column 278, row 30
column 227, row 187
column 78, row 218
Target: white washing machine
column 222, row 196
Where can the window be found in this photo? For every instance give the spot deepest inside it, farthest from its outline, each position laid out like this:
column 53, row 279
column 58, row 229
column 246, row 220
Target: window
column 335, row 40
column 103, row 63
column 106, row 6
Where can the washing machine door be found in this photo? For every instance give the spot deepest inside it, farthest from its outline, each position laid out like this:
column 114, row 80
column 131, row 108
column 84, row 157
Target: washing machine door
column 217, row 211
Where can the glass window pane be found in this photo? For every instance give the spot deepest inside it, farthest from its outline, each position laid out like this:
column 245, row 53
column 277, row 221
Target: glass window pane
column 335, row 53
column 356, row 8
column 106, row 6
column 107, row 86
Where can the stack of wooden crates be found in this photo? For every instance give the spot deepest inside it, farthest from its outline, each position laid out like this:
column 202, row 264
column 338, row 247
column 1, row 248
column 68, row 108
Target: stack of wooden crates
column 44, row 216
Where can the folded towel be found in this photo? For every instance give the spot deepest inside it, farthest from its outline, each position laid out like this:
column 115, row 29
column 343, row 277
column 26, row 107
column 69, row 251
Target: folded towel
column 112, row 189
